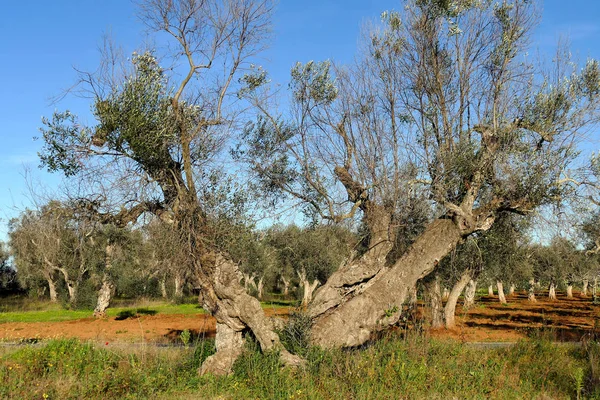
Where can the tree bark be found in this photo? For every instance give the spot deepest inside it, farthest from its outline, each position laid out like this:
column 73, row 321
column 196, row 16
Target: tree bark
column 450, row 307
column 584, row 290
column 491, row 291
column 107, row 289
column 235, row 311
column 356, row 301
column 552, row 291
column 531, row 294
column 501, row 296
column 434, row 296
column 470, row 294
column 570, row 291
column 595, row 291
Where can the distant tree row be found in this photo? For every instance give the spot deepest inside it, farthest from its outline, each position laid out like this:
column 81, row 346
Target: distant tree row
column 63, row 255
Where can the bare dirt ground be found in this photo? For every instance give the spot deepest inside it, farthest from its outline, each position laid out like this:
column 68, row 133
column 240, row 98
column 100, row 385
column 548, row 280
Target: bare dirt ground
column 565, row 319
column 487, row 321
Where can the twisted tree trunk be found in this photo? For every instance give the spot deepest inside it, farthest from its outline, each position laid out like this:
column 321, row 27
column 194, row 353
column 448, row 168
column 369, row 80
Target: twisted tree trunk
column 584, row 290
column 235, row 311
column 450, row 307
column 366, row 295
column 570, row 291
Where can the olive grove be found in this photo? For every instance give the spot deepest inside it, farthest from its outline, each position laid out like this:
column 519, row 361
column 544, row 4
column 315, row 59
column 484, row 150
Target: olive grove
column 442, row 124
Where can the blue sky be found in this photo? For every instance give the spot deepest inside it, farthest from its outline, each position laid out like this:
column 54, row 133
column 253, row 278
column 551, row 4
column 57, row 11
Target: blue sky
column 41, row 41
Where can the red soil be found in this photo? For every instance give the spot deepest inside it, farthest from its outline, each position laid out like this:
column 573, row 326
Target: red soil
column 488, row 320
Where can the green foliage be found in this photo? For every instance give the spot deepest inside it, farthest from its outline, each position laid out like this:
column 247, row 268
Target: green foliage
column 312, row 82
column 318, row 251
column 185, row 337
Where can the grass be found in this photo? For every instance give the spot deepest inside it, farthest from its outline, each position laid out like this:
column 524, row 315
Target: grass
column 55, row 313
column 392, row 368
column 19, row 309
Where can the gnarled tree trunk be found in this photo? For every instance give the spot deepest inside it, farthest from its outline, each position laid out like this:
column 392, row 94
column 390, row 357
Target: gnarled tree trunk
column 235, row 311
column 359, row 298
column 584, row 290
column 470, row 291
column 501, row 296
column 570, row 291
column 450, row 307
column 107, row 289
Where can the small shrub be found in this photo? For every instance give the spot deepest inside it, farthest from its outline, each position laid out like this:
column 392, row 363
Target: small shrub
column 295, row 335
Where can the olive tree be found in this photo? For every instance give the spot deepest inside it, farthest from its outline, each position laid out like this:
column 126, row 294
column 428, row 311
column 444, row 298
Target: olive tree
column 55, row 241
column 444, row 100
column 157, row 136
